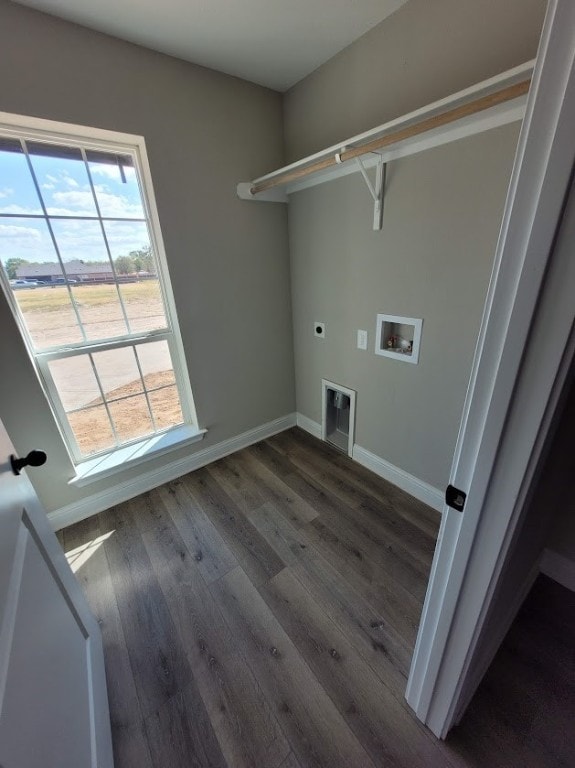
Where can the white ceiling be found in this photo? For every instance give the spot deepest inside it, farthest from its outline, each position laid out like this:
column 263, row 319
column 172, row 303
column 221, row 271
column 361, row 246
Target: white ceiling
column 270, row 42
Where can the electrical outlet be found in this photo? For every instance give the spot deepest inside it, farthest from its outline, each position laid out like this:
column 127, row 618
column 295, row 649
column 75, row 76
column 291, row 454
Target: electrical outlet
column 362, row 339
column 319, row 329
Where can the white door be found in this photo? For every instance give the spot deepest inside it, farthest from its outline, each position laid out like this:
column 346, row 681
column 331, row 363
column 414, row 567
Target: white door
column 53, row 701
column 525, row 347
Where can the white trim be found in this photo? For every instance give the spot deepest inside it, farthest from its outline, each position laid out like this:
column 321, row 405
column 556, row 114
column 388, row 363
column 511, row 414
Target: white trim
column 135, row 453
column 509, row 112
column 308, row 425
column 351, row 393
column 380, row 343
column 559, row 568
column 98, row 502
column 520, row 365
column 421, row 490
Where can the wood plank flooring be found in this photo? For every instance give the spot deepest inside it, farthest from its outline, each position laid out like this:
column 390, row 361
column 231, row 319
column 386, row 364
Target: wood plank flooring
column 261, row 612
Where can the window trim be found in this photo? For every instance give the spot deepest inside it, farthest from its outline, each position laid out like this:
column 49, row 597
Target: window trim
column 98, row 139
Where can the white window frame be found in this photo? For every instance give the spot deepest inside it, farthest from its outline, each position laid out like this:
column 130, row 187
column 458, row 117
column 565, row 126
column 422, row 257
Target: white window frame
column 97, row 139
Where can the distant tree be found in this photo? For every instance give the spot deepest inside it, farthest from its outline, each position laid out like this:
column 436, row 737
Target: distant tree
column 143, row 259
column 12, row 265
column 124, row 265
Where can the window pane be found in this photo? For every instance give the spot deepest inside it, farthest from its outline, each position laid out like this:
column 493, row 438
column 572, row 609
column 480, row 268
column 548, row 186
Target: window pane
column 27, row 252
column 63, row 180
column 118, row 372
column 87, row 268
column 144, row 305
column 136, row 269
column 100, row 311
column 156, row 364
column 17, row 190
column 116, row 185
column 92, row 430
column 75, row 381
column 165, row 404
column 131, row 418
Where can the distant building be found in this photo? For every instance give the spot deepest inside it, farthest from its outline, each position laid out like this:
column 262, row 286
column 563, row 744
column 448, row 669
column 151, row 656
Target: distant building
column 51, row 272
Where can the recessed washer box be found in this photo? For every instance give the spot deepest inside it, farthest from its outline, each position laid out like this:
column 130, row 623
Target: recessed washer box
column 398, row 337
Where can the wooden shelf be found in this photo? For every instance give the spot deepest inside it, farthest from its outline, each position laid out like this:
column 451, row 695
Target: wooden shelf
column 489, row 104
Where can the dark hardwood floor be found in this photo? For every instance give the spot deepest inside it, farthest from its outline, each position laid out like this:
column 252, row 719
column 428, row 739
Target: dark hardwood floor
column 262, row 612
column 524, row 711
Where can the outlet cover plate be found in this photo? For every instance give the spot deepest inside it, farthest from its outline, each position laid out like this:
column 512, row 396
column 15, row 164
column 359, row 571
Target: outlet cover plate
column 361, row 339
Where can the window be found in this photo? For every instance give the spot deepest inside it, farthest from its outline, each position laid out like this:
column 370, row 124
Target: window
column 83, row 270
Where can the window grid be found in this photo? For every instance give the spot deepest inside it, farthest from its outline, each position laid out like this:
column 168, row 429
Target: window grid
column 43, row 359
column 104, row 402
column 142, row 379
column 60, row 216
column 52, row 235
column 132, row 339
column 149, row 391
column 47, row 217
column 104, row 234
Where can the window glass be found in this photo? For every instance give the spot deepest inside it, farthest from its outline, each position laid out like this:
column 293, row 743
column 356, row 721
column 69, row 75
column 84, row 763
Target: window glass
column 131, row 418
column 116, row 185
column 166, row 407
column 137, row 274
column 17, row 191
column 92, row 430
column 118, row 372
column 63, row 180
column 76, row 382
column 156, row 364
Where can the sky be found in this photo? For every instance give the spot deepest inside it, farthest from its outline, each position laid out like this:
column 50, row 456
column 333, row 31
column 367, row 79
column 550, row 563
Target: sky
column 66, row 191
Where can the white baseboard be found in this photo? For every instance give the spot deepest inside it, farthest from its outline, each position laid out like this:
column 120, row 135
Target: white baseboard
column 431, row 496
column 558, row 568
column 308, row 425
column 116, row 494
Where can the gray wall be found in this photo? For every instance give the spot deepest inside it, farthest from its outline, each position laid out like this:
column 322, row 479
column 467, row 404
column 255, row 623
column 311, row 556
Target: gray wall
column 228, row 259
column 423, row 52
column 432, row 260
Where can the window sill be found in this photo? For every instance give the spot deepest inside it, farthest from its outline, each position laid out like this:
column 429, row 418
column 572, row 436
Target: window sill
column 137, row 453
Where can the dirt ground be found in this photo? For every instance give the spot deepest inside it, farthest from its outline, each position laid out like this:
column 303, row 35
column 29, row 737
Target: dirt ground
column 51, row 321
column 131, row 416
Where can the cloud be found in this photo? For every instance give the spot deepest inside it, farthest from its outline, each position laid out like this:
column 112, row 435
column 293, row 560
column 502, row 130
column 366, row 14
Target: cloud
column 11, row 231
column 74, row 202
column 112, row 172
column 77, row 237
column 20, row 210
column 6, row 192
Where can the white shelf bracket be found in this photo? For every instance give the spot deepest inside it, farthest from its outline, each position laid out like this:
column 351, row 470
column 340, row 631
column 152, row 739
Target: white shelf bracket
column 377, row 191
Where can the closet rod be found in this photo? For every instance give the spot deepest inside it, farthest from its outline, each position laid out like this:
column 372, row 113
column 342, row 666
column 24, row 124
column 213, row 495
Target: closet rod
column 437, row 121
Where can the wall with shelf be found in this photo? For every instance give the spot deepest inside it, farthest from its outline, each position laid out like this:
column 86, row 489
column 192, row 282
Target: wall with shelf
column 432, row 260
column 422, row 52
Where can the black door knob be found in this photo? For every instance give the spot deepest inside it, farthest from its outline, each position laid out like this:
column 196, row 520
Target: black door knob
column 33, row 459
